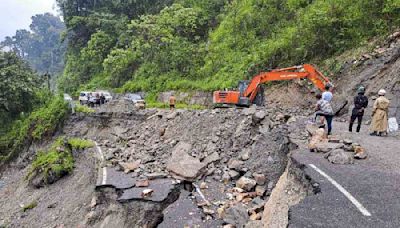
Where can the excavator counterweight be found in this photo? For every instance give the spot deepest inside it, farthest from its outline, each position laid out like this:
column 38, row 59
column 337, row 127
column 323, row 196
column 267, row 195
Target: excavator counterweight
column 252, row 92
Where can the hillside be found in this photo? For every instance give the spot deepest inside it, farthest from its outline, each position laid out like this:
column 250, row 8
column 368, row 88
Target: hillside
column 207, row 45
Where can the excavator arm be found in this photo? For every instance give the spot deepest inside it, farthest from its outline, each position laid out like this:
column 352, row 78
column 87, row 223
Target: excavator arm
column 246, row 97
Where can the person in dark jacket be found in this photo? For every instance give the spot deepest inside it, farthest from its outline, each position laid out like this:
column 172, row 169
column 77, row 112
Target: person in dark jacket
column 360, row 104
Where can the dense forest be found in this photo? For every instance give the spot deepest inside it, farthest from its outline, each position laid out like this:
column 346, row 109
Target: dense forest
column 143, row 45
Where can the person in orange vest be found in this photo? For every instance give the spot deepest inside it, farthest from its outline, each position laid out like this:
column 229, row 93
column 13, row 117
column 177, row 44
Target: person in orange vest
column 172, row 102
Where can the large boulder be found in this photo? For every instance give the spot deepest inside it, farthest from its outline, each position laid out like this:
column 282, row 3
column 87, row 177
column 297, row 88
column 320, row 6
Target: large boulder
column 182, row 165
column 339, row 156
column 236, row 215
column 246, row 183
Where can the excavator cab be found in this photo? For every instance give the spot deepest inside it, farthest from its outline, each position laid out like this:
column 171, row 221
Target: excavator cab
column 245, row 101
column 236, row 97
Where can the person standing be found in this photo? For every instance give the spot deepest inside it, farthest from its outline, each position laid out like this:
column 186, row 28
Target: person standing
column 360, row 104
column 172, row 101
column 324, row 109
column 380, row 113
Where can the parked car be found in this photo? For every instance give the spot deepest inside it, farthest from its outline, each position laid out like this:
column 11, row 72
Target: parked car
column 83, row 97
column 136, row 99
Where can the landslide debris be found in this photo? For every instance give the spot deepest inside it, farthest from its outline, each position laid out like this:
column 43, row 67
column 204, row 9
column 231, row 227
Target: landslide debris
column 228, row 161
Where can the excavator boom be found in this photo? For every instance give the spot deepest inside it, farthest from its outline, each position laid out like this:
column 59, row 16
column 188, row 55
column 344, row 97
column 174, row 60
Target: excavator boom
column 249, row 91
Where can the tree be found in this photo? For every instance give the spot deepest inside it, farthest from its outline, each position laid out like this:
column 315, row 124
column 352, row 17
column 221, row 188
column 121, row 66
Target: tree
column 42, row 47
column 18, row 86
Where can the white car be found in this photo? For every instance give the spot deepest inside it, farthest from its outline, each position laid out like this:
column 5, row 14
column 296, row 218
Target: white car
column 83, row 97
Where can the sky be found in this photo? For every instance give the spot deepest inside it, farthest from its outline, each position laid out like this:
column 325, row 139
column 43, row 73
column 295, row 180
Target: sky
column 16, row 14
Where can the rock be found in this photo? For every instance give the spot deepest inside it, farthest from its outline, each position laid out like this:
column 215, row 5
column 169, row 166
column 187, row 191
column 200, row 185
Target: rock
column 233, row 174
column 258, row 117
column 245, row 155
column 347, row 141
column 254, row 224
column 333, row 139
column 260, row 178
column 172, row 115
column 130, row 166
column 317, row 137
column 147, row 193
column 235, row 164
column 249, row 111
column 203, row 185
column 142, row 183
column 291, row 120
column 236, row 215
column 325, row 147
column 93, row 203
column 153, row 176
column 162, row 132
column 208, row 211
column 211, row 158
column 182, row 165
column 255, row 216
column 260, row 190
column 360, row 153
column 226, row 178
column 221, row 212
column 339, row 156
column 229, row 226
column 279, row 117
column 246, row 183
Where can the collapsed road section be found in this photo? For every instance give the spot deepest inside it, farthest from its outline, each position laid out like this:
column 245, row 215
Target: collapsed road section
column 203, row 168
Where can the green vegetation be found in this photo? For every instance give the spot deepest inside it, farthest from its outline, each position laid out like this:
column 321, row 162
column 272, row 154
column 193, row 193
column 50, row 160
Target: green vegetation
column 80, row 144
column 53, row 164
column 30, row 206
column 39, row 124
column 206, row 45
column 19, row 88
column 83, row 109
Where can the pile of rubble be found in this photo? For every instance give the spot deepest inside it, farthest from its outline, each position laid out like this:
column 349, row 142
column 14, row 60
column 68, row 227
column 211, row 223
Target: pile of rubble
column 231, row 158
column 336, row 150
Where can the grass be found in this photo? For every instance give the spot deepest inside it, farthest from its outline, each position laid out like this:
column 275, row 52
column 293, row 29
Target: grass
column 80, row 144
column 83, row 109
column 30, row 206
column 53, row 164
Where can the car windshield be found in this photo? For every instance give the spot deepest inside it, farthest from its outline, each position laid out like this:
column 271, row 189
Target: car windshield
column 82, row 94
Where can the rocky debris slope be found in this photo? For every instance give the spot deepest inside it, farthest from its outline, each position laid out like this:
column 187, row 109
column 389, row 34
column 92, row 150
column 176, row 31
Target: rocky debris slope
column 228, row 161
column 375, row 70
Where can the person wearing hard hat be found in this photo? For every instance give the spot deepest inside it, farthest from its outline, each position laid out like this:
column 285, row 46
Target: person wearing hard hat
column 360, row 104
column 380, row 113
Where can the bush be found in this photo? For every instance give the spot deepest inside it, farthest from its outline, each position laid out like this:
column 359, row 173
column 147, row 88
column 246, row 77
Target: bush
column 83, row 109
column 80, row 144
column 40, row 123
column 50, row 166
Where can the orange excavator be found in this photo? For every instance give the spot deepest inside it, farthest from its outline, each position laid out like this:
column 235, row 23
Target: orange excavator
column 252, row 92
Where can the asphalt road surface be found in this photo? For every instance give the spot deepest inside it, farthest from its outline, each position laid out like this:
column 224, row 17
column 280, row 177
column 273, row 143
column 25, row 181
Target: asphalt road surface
column 373, row 183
